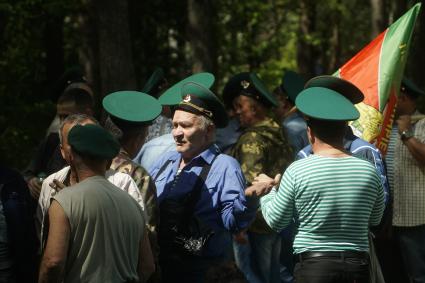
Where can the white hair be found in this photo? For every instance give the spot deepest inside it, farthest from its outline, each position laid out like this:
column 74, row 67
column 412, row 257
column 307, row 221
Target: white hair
column 205, row 123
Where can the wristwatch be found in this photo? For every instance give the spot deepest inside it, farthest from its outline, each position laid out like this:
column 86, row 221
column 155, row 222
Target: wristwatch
column 405, row 135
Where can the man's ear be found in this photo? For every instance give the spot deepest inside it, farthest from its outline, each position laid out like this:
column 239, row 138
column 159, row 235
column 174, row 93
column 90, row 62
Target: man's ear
column 310, row 135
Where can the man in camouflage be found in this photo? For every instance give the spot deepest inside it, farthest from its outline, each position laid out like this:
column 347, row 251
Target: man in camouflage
column 261, row 148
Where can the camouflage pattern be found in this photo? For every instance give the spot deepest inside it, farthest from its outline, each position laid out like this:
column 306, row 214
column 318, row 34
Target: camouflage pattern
column 123, row 163
column 262, row 148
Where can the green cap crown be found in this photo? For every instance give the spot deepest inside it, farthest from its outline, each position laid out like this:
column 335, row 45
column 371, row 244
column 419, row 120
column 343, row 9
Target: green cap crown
column 292, row 85
column 151, row 85
column 326, row 104
column 94, row 141
column 248, row 84
column 344, row 87
column 200, row 100
column 411, row 87
column 132, row 106
column 172, row 96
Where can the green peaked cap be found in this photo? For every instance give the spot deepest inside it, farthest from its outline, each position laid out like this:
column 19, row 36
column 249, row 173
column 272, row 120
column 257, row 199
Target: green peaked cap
column 172, row 96
column 200, row 100
column 326, row 104
column 248, row 84
column 411, row 87
column 94, row 141
column 344, row 87
column 132, row 106
column 292, row 85
column 153, row 81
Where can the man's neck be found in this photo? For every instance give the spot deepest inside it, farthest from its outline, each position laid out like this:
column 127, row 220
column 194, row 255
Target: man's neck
column 329, row 150
column 186, row 159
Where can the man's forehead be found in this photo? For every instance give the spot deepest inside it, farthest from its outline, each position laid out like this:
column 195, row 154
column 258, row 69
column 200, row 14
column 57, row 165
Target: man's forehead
column 180, row 116
column 66, row 108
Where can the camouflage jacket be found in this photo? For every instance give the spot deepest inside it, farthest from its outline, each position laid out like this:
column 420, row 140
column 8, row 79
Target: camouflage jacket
column 262, row 148
column 123, row 163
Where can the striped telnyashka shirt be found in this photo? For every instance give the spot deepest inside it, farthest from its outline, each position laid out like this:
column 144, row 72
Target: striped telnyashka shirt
column 334, row 200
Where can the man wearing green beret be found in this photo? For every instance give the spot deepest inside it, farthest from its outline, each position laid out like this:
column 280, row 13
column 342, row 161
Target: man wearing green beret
column 96, row 230
column 406, row 173
column 333, row 196
column 200, row 190
column 130, row 114
column 261, row 148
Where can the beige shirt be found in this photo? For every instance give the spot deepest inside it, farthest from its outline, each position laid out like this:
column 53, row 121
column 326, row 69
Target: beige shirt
column 121, row 180
column 106, row 231
column 408, row 183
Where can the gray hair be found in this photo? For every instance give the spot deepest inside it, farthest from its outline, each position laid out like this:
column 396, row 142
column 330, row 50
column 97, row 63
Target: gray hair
column 75, row 119
column 205, row 123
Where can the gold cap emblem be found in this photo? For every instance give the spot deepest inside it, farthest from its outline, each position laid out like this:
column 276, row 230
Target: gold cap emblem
column 245, row 84
column 187, row 98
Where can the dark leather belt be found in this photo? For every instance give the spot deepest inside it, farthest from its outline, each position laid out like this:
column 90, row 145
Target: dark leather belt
column 341, row 255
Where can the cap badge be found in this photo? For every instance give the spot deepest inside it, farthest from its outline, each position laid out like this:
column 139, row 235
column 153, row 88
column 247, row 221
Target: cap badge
column 245, row 84
column 187, row 98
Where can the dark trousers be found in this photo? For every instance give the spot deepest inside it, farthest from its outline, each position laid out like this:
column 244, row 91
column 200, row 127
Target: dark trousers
column 332, row 270
column 188, row 269
column 412, row 247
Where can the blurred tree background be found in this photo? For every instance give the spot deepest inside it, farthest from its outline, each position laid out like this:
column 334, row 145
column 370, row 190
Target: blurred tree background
column 118, row 43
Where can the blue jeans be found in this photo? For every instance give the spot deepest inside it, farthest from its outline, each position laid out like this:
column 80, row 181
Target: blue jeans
column 412, row 247
column 243, row 255
column 265, row 256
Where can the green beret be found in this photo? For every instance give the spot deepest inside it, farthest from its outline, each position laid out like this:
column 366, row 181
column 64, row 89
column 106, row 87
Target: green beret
column 200, row 100
column 94, row 141
column 172, row 96
column 132, row 106
column 326, row 104
column 151, row 85
column 410, row 87
column 292, row 85
column 344, row 87
column 248, row 84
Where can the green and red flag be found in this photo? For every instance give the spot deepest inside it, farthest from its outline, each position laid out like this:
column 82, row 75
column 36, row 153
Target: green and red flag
column 377, row 71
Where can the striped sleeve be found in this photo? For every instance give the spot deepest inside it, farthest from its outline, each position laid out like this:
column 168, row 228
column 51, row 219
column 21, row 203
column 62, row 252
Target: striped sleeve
column 379, row 206
column 278, row 206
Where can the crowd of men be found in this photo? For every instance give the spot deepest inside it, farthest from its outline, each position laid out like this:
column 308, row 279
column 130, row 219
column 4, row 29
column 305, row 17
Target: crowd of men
column 174, row 185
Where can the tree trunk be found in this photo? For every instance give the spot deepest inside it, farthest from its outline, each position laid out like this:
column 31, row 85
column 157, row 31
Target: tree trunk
column 379, row 24
column 305, row 49
column 54, row 50
column 201, row 35
column 116, row 67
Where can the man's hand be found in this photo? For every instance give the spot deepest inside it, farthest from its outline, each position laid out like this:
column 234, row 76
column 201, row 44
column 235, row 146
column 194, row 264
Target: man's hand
column 57, row 185
column 404, row 123
column 34, row 187
column 241, row 238
column 264, row 178
column 258, row 189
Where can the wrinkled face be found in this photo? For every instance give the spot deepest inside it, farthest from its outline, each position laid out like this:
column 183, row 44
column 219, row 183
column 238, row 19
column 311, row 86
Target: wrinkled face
column 244, row 110
column 65, row 147
column 189, row 134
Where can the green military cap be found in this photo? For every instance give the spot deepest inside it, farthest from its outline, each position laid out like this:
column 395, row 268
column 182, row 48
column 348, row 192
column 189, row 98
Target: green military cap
column 410, row 87
column 344, row 87
column 200, row 100
column 172, row 96
column 248, row 84
column 152, row 84
column 292, row 85
column 94, row 141
column 132, row 106
column 326, row 104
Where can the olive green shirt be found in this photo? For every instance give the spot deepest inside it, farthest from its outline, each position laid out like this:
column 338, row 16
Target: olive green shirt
column 106, row 227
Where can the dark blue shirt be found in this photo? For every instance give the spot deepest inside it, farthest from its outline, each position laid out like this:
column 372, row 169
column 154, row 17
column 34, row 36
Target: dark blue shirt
column 222, row 205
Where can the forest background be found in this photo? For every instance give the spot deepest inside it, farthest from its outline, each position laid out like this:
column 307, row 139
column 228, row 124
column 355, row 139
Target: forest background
column 118, row 43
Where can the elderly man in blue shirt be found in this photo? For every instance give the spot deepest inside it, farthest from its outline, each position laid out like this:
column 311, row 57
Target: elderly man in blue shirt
column 200, row 190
